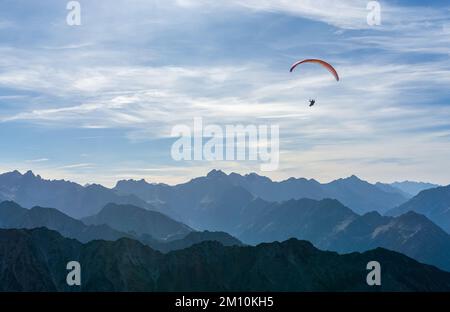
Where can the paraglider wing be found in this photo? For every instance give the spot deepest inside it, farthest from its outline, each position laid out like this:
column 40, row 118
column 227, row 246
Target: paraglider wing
column 323, row 63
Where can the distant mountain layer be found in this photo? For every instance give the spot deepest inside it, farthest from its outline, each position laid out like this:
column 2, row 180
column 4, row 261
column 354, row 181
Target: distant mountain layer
column 413, row 188
column 392, row 189
column 215, row 203
column 138, row 221
column 198, row 193
column 331, row 226
column 191, row 239
column 327, row 223
column 35, row 260
column 77, row 201
column 12, row 216
column 433, row 203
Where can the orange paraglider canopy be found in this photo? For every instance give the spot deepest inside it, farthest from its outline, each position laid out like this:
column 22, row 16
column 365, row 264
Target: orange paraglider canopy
column 323, row 63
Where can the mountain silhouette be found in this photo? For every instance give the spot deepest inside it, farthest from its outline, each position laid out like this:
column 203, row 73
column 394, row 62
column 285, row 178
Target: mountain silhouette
column 223, row 207
column 13, row 216
column 205, row 203
column 433, row 203
column 35, row 260
column 138, row 221
column 329, row 225
column 413, row 188
column 177, row 201
column 191, row 239
column 77, row 201
column 389, row 188
column 306, row 219
column 353, row 192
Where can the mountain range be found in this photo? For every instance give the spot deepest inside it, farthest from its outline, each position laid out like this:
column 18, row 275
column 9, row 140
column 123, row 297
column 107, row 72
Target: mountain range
column 353, row 192
column 329, row 225
column 213, row 202
column 35, row 260
column 166, row 236
column 177, row 201
column 77, row 201
column 213, row 217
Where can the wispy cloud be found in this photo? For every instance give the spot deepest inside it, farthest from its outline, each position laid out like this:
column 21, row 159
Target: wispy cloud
column 163, row 63
column 345, row 14
column 78, row 166
column 38, row 160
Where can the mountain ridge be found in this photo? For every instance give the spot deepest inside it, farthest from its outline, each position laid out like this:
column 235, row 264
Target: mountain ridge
column 412, row 187
column 353, row 192
column 139, row 221
column 433, row 203
column 329, row 225
column 292, row 265
column 75, row 200
column 13, row 216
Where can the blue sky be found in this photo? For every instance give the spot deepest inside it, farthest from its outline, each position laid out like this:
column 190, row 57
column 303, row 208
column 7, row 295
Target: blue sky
column 97, row 102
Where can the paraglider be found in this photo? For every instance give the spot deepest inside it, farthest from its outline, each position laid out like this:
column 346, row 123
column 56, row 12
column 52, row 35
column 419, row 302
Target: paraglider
column 320, row 62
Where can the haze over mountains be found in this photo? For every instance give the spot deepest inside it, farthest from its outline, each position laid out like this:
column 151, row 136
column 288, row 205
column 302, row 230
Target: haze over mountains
column 165, row 236
column 327, row 224
column 41, row 255
column 413, row 188
column 353, row 192
column 77, row 201
column 433, row 203
column 231, row 210
column 331, row 226
column 13, row 216
column 139, row 221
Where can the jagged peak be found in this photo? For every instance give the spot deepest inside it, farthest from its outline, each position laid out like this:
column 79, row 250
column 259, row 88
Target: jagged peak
column 216, row 174
column 141, row 181
column 353, row 177
column 29, row 173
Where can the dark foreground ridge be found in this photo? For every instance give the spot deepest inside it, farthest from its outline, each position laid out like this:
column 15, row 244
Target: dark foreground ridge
column 35, row 260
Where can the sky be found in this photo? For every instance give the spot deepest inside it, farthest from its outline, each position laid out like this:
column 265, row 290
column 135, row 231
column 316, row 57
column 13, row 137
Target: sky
column 97, row 102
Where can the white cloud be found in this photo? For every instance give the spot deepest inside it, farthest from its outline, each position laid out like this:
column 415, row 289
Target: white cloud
column 38, row 160
column 367, row 95
column 344, row 14
column 380, row 101
column 78, row 166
